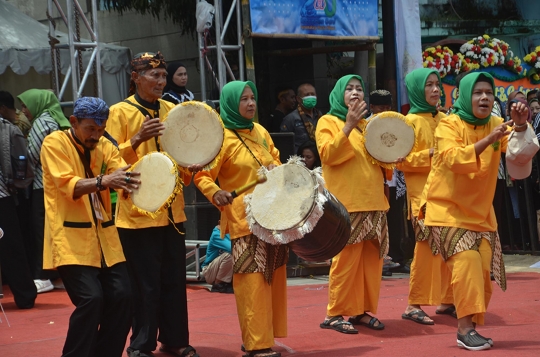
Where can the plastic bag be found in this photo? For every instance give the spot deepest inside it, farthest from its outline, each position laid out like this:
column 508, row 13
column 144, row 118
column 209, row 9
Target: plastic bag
column 205, row 15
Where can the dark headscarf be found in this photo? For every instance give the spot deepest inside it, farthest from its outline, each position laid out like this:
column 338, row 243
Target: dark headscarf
column 39, row 101
column 416, row 90
column 230, row 102
column 380, row 97
column 171, row 70
column 337, row 96
column 143, row 61
column 463, row 105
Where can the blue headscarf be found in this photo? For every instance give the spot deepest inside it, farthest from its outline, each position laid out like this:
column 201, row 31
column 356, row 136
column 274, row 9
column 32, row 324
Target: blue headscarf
column 91, row 108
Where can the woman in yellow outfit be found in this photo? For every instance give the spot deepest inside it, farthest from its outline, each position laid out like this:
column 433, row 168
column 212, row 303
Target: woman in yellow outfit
column 260, row 275
column 430, row 278
column 459, row 192
column 355, row 275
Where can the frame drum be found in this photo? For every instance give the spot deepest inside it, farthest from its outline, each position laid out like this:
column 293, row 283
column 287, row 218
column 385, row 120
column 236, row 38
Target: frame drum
column 389, row 136
column 160, row 182
column 193, row 134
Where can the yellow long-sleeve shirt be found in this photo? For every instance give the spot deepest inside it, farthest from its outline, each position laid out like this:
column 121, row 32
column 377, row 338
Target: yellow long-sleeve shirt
column 124, row 122
column 460, row 187
column 236, row 167
column 417, row 165
column 71, row 235
column 347, row 168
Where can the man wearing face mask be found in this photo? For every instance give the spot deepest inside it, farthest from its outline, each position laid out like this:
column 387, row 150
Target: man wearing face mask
column 303, row 120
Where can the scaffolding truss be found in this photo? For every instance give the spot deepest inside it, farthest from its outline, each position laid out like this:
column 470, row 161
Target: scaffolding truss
column 219, row 47
column 78, row 73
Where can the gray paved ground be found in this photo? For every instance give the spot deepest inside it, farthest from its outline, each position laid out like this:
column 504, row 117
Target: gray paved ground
column 513, row 263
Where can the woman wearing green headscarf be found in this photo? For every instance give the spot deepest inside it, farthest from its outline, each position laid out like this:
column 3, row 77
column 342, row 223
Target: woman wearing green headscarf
column 351, row 176
column 43, row 110
column 430, row 278
column 459, row 193
column 259, row 283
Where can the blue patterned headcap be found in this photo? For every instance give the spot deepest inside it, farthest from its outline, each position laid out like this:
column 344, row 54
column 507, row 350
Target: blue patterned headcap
column 91, row 108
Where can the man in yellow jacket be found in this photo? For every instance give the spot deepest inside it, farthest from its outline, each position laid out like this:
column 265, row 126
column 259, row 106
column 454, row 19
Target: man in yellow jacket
column 81, row 241
column 155, row 250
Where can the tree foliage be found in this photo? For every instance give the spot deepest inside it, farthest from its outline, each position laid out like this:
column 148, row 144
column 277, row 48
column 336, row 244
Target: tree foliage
column 181, row 12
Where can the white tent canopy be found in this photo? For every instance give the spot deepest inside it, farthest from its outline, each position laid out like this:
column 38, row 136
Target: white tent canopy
column 24, row 43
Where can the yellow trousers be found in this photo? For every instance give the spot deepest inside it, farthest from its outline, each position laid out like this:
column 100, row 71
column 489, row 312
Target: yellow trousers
column 471, row 281
column 262, row 308
column 355, row 280
column 430, row 280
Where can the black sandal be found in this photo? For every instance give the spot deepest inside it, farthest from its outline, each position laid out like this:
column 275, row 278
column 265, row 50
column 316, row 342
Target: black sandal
column 448, row 311
column 357, row 320
column 420, row 315
column 338, row 325
column 267, row 352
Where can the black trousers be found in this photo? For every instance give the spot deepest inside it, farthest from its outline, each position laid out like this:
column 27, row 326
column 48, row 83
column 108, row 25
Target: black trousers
column 100, row 323
column 24, row 213
column 156, row 259
column 13, row 259
column 38, row 221
column 396, row 226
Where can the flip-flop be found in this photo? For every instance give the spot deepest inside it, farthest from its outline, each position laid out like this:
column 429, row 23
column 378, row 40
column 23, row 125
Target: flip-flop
column 357, row 320
column 338, row 325
column 420, row 314
column 448, row 311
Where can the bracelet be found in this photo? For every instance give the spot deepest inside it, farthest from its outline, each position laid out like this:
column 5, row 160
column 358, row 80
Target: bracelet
column 521, row 126
column 99, row 186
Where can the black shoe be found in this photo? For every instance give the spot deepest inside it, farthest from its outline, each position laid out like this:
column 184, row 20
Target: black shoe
column 488, row 339
column 137, row 353
column 219, row 288
column 228, row 289
column 401, row 269
column 473, row 341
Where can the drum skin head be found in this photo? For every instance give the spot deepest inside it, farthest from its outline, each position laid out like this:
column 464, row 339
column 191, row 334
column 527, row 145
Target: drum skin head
column 389, row 137
column 286, row 199
column 158, row 181
column 193, row 134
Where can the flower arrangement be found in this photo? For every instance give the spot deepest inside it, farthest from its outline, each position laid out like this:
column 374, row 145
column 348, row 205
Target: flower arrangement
column 443, row 60
column 484, row 51
column 533, row 60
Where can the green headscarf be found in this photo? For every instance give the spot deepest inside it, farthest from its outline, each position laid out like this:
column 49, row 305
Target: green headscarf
column 229, row 103
column 337, row 96
column 39, row 101
column 463, row 105
column 416, row 90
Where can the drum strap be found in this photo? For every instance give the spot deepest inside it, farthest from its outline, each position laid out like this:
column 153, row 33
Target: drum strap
column 145, row 113
column 87, row 169
column 247, row 147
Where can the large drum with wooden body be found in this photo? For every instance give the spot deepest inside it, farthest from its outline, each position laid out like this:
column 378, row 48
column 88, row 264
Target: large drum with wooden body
column 193, row 134
column 160, row 182
column 389, row 136
column 293, row 207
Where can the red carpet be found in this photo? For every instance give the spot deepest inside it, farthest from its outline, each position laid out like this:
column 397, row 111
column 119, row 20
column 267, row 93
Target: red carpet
column 512, row 321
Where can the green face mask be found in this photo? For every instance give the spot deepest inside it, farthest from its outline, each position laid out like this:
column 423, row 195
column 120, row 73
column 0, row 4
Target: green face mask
column 309, row 101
